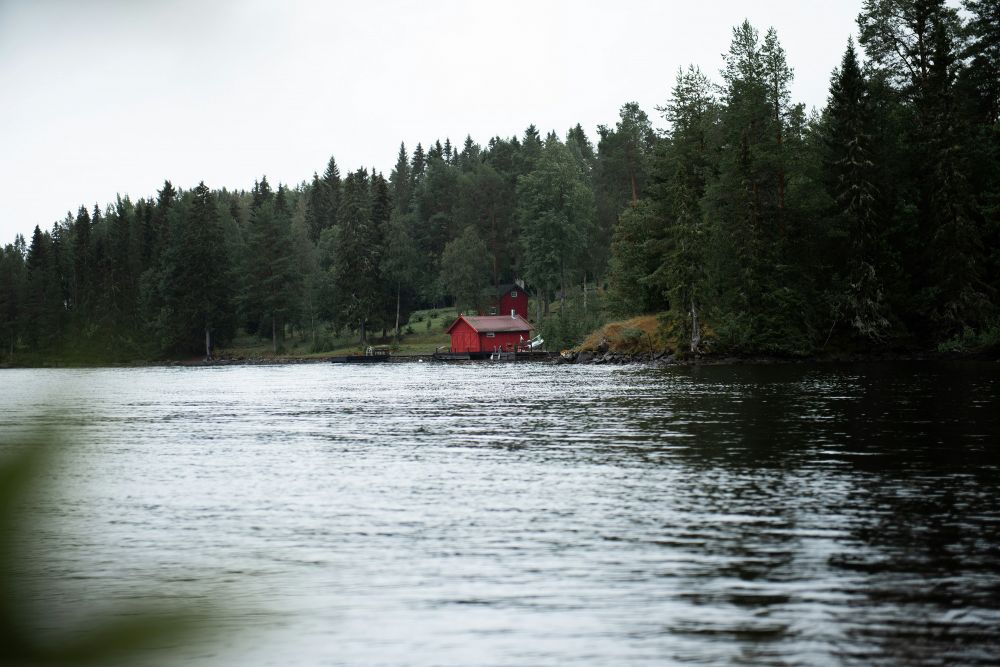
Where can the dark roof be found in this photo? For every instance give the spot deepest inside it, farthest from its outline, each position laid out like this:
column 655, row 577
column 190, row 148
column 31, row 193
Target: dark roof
column 494, row 323
column 499, row 290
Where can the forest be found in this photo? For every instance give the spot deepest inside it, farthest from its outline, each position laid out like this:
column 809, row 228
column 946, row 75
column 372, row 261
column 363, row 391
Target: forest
column 747, row 223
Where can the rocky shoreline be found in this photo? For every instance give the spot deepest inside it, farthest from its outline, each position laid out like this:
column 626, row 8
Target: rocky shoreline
column 666, row 359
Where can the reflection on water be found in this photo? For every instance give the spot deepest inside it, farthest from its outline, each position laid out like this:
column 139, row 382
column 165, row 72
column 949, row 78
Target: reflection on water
column 513, row 515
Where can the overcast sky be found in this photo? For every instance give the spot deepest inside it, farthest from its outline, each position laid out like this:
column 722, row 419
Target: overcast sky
column 114, row 96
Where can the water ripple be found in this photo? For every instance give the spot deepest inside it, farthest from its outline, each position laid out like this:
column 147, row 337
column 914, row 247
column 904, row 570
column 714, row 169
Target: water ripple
column 510, row 515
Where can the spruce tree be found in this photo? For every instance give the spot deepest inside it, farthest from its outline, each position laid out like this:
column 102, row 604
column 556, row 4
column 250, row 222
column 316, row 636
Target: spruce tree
column 470, row 156
column 555, row 211
column 316, row 213
column 401, row 181
column 83, row 263
column 272, row 281
column 12, row 295
column 399, row 261
column 419, row 163
column 758, row 295
column 680, row 173
column 465, row 269
column 355, row 269
column 196, row 283
column 621, row 173
column 42, row 300
column 849, row 171
column 634, row 258
column 916, row 44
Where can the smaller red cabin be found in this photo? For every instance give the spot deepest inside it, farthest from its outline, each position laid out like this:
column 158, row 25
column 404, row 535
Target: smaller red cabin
column 487, row 333
column 506, row 299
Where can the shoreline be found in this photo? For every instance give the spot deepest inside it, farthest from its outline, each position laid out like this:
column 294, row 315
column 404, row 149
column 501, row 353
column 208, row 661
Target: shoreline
column 657, row 360
column 668, row 360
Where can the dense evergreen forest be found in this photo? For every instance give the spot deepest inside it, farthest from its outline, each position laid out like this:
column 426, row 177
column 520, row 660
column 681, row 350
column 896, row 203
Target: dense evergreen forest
column 747, row 221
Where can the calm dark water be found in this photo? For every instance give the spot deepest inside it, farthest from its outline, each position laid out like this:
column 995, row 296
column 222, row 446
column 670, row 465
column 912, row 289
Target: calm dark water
column 535, row 515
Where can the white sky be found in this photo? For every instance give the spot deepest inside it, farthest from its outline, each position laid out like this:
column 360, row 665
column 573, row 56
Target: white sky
column 114, row 96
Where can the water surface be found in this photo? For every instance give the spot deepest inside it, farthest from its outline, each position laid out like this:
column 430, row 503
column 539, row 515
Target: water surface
column 477, row 514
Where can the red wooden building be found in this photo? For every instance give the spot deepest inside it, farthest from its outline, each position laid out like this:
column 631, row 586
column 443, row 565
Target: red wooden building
column 486, row 333
column 511, row 298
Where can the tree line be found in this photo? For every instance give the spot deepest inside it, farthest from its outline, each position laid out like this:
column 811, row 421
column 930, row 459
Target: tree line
column 184, row 271
column 872, row 222
column 747, row 221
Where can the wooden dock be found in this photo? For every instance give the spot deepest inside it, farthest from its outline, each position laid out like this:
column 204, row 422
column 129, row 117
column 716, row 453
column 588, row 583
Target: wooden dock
column 533, row 355
column 442, row 357
column 452, row 356
column 360, row 359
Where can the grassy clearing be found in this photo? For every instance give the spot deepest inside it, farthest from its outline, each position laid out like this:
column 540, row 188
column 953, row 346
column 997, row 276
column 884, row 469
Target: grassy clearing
column 422, row 334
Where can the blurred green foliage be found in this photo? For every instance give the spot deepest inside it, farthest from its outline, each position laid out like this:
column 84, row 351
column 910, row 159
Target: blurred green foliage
column 129, row 635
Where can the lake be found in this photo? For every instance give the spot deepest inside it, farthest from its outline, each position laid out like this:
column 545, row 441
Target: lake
column 477, row 514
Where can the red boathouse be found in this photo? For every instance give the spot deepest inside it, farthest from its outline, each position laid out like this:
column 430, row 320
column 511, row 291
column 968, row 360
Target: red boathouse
column 486, row 333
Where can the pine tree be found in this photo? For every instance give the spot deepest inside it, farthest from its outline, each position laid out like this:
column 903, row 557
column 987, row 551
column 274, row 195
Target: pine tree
column 158, row 239
column 582, row 149
column 306, row 269
column 83, row 261
column 621, row 173
column 272, row 281
column 680, row 172
column 777, row 77
column 419, row 163
column 196, row 281
column 316, row 212
column 465, row 269
column 435, row 153
column 121, row 281
column 759, row 297
column 849, row 168
column 916, row 44
column 356, row 263
column 434, row 220
column 42, row 301
column 12, row 294
column 399, row 260
column 530, row 150
column 555, row 211
column 470, row 156
column 485, row 200
column 332, row 190
column 980, row 84
column 401, row 181
column 634, row 258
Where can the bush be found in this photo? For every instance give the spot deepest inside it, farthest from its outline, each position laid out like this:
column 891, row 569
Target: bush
column 323, row 343
column 567, row 327
column 970, row 340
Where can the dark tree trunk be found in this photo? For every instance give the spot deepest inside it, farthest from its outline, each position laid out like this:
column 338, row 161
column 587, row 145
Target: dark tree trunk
column 695, row 328
column 398, row 289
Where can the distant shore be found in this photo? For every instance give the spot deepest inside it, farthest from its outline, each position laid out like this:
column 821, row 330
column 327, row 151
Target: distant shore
column 663, row 359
